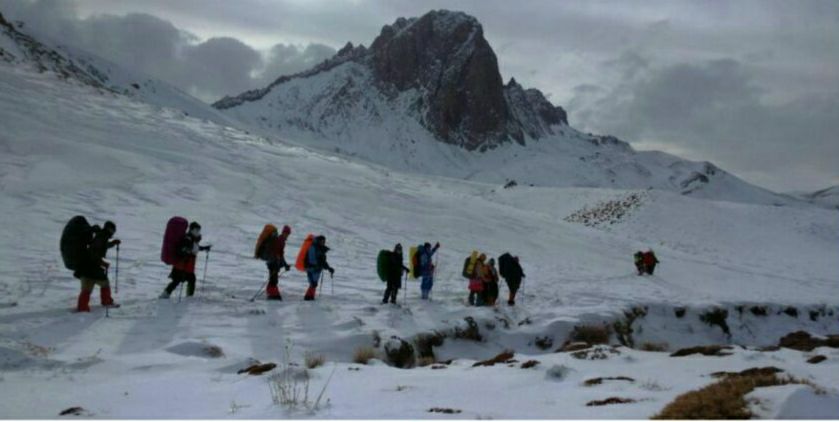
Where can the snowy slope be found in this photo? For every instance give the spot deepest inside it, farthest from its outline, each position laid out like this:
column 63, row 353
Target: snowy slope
column 71, row 63
column 61, row 157
column 828, row 198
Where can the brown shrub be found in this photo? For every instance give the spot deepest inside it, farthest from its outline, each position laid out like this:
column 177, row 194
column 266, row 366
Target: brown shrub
column 610, row 400
column 502, row 357
column 363, row 355
column 258, row 369
column 214, row 351
column 596, row 353
column 597, row 381
column 710, row 350
column 425, row 361
column 724, row 399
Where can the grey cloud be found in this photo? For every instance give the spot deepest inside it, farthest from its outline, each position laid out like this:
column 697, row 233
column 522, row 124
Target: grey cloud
column 714, row 110
column 209, row 70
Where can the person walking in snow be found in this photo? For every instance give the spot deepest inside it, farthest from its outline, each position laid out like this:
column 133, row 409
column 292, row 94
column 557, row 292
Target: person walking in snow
column 513, row 274
column 184, row 268
column 394, row 276
column 639, row 262
column 274, row 247
column 426, row 270
column 315, row 264
column 93, row 270
column 490, row 283
column 650, row 260
column 476, row 283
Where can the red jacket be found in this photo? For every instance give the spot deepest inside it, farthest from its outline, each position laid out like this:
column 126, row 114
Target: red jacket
column 649, row 258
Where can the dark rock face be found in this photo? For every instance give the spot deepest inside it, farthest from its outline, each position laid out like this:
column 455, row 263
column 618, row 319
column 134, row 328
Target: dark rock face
column 445, row 55
column 461, row 99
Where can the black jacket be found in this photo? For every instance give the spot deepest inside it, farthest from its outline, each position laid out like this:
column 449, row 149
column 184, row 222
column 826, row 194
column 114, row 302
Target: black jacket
column 93, row 265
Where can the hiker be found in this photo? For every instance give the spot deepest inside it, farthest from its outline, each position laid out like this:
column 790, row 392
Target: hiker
column 315, row 264
column 510, row 269
column 426, row 269
column 490, row 280
column 476, row 283
column 394, row 277
column 649, row 260
column 272, row 250
column 639, row 262
column 183, row 270
column 93, row 269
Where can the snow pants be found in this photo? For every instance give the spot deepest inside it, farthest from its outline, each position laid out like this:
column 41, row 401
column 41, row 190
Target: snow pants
column 314, row 278
column 273, row 289
column 426, row 285
column 392, row 290
column 178, row 277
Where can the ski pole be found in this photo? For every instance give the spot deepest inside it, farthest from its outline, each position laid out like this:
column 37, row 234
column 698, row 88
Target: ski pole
column 405, row 290
column 180, row 291
column 204, row 278
column 107, row 308
column 332, row 283
column 116, row 277
column 321, row 282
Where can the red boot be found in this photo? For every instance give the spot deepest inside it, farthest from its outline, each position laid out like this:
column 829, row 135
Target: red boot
column 310, row 293
column 84, row 301
column 273, row 293
column 107, row 300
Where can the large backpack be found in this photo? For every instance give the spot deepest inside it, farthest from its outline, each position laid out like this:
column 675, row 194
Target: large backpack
column 383, row 264
column 75, row 239
column 505, row 264
column 175, row 232
column 300, row 264
column 416, row 271
column 260, row 251
column 469, row 265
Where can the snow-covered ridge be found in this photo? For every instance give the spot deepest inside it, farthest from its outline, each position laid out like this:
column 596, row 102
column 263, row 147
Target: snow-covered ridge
column 378, row 104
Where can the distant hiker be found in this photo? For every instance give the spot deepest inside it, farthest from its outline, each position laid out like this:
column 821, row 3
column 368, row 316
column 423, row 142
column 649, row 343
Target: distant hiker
column 315, row 264
column 426, row 267
column 394, row 270
column 183, row 269
column 639, row 262
column 510, row 269
column 649, row 260
column 476, row 282
column 490, row 279
column 92, row 268
column 271, row 249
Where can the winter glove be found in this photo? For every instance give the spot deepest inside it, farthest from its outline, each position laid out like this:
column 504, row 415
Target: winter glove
column 436, row 245
column 205, row 248
column 115, row 242
column 287, row 267
column 331, row 271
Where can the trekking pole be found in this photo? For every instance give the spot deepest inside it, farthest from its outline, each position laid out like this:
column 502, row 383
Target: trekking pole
column 321, row 282
column 107, row 308
column 332, row 283
column 116, row 278
column 259, row 292
column 204, row 278
column 180, row 291
column 405, row 290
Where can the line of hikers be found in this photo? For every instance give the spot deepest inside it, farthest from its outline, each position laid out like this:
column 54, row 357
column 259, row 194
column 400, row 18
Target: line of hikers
column 84, row 249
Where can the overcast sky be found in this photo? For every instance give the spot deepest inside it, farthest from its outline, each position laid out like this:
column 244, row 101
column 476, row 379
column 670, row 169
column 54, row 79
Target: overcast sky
column 752, row 86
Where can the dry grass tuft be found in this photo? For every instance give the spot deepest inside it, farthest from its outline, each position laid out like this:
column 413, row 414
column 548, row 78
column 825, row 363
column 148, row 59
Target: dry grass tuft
column 751, row 372
column 710, row 350
column 817, row 359
column 598, row 381
column 363, row 355
column 724, row 399
column 591, row 334
column 425, row 361
column 314, row 361
column 655, row 347
column 502, row 357
column 529, row 364
column 610, row 400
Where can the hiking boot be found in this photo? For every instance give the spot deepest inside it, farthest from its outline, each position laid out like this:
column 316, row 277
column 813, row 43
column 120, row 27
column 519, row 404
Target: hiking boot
column 511, row 302
column 277, row 297
column 83, row 304
column 164, row 295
